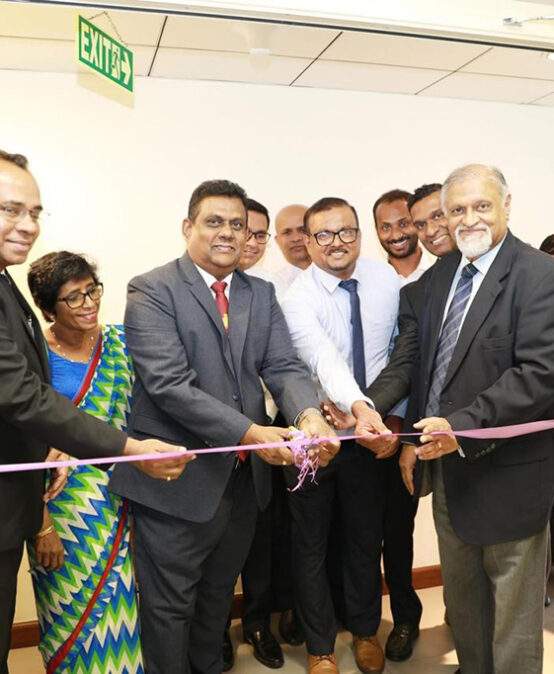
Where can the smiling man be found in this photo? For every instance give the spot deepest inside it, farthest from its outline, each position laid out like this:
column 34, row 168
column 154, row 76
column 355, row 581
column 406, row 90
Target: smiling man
column 341, row 313
column 289, row 235
column 397, row 234
column 486, row 359
column 202, row 335
column 32, row 415
column 429, row 220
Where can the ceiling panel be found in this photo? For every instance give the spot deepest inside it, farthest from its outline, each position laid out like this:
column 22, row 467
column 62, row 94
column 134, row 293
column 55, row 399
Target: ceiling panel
column 240, row 36
column 489, row 88
column 23, row 19
column 546, row 100
column 196, row 64
column 402, row 51
column 341, row 75
column 514, row 62
column 56, row 55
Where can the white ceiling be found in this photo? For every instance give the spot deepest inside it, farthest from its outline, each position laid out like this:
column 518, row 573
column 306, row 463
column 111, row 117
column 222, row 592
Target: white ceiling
column 42, row 37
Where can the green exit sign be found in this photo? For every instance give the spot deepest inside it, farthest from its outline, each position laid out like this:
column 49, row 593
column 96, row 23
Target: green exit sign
column 102, row 53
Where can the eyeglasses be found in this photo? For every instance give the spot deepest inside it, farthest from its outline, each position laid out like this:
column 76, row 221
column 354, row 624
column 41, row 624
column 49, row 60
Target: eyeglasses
column 261, row 237
column 77, row 299
column 15, row 214
column 326, row 238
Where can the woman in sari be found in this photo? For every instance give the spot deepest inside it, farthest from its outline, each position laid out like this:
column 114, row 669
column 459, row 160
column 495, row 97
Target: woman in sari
column 81, row 559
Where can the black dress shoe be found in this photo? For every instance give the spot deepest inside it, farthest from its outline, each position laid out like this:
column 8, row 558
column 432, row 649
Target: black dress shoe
column 400, row 642
column 290, row 628
column 228, row 652
column 266, row 648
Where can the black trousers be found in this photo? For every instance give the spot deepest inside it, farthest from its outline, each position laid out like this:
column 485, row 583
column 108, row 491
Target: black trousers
column 351, row 481
column 9, row 566
column 266, row 575
column 187, row 573
column 398, row 542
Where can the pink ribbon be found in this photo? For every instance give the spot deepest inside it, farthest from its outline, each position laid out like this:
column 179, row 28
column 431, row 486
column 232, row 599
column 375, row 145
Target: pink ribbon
column 499, row 432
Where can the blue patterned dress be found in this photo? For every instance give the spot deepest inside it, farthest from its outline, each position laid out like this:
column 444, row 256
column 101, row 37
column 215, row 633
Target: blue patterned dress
column 87, row 610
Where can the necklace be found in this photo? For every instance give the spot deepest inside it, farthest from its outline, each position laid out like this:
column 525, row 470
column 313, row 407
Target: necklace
column 81, row 359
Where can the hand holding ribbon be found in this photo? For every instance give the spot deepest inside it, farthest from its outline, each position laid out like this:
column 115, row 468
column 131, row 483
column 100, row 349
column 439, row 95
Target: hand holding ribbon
column 58, row 475
column 435, row 445
column 262, row 435
column 314, row 426
column 164, row 469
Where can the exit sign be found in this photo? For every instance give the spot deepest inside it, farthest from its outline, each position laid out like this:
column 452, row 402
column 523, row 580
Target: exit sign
column 103, row 54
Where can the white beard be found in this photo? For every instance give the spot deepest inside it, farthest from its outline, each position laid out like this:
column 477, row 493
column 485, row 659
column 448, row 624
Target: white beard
column 477, row 244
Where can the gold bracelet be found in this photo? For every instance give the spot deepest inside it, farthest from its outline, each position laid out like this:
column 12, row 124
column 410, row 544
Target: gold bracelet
column 45, row 532
column 306, row 412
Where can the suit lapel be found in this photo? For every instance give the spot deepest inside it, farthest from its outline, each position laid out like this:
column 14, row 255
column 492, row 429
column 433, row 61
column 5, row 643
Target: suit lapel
column 205, row 299
column 25, row 314
column 482, row 304
column 436, row 303
column 240, row 301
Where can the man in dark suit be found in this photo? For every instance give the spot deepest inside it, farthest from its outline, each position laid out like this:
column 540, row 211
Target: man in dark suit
column 32, row 415
column 486, row 359
column 202, row 334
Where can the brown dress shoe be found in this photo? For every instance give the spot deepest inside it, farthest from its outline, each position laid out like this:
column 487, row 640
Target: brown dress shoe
column 369, row 654
column 322, row 664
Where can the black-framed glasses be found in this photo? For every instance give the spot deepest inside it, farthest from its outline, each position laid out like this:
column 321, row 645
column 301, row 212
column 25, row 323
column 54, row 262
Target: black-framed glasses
column 77, row 299
column 261, row 237
column 346, row 235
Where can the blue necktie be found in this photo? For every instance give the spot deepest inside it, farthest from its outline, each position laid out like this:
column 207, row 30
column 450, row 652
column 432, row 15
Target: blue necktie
column 358, row 357
column 448, row 338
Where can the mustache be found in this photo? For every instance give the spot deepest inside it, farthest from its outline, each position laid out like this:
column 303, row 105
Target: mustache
column 400, row 239
column 480, row 228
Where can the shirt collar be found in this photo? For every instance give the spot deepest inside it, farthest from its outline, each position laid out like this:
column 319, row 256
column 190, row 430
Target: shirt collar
column 329, row 281
column 209, row 279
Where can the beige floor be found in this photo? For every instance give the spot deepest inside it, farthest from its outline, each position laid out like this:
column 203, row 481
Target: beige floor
column 433, row 653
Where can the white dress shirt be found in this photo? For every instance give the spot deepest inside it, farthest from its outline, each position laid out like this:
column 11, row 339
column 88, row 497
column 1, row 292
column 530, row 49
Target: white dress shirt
column 317, row 310
column 416, row 274
column 289, row 273
column 483, row 264
column 278, row 283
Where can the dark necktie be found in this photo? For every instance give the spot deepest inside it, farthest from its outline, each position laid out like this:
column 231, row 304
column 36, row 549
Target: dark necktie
column 222, row 304
column 448, row 338
column 358, row 357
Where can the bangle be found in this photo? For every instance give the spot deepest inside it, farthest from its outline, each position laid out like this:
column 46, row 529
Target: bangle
column 308, row 411
column 45, row 532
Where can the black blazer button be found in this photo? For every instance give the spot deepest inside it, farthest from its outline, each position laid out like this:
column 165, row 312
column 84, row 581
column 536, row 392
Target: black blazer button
column 235, row 397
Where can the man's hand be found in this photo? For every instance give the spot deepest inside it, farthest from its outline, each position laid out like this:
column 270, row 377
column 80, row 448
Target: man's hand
column 336, row 417
column 58, row 476
column 435, row 446
column 407, row 463
column 369, row 423
column 49, row 550
column 315, row 426
column 164, row 469
column 259, row 435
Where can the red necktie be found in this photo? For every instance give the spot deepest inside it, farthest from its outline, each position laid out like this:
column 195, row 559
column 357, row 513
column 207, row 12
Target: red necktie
column 222, row 302
column 223, row 306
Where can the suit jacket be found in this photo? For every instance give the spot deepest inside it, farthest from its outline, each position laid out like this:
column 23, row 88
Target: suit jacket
column 197, row 387
column 393, row 382
column 501, row 373
column 32, row 417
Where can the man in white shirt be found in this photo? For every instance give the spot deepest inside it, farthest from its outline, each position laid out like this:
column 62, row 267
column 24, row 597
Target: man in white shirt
column 289, row 235
column 397, row 235
column 341, row 312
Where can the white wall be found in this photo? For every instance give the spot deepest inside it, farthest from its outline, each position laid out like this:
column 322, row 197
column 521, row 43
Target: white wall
column 117, row 179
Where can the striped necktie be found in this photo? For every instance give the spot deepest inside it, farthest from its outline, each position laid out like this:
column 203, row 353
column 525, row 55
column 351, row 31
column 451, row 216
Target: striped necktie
column 448, row 338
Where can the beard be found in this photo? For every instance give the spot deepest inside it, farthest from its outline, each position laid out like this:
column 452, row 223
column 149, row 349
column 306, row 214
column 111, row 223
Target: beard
column 476, row 244
column 412, row 245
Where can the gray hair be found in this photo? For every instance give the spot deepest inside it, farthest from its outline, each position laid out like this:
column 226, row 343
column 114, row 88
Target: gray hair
column 478, row 171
